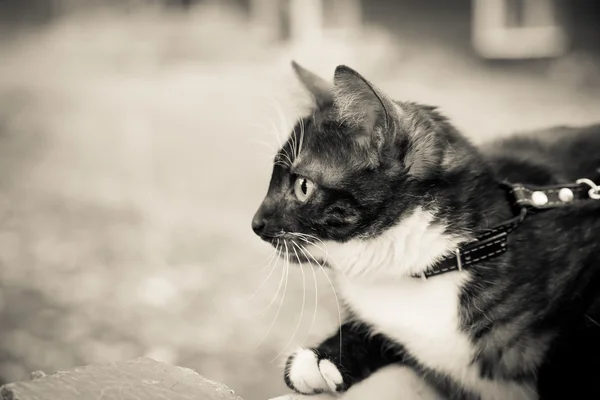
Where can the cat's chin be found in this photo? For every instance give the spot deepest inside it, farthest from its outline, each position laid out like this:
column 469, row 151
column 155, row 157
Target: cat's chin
column 294, row 255
column 298, row 253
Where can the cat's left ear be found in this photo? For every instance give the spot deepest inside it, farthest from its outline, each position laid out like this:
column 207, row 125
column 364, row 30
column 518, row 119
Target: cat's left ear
column 360, row 103
column 320, row 89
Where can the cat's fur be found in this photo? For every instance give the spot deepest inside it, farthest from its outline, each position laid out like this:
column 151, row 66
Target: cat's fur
column 397, row 189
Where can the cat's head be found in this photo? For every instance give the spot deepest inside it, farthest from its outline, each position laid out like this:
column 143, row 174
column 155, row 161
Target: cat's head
column 357, row 167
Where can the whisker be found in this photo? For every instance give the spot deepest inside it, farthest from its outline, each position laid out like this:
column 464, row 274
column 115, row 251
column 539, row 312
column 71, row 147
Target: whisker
column 282, row 120
column 302, row 309
column 274, row 149
column 287, row 270
column 294, row 144
column 287, row 155
column 266, row 263
column 303, row 237
column 264, row 310
column 302, row 128
column 281, row 145
column 328, row 260
column 592, row 320
column 276, row 106
column 267, row 160
column 281, row 164
column 303, row 249
column 284, row 128
column 278, row 140
column 314, row 318
column 270, row 273
column 306, row 235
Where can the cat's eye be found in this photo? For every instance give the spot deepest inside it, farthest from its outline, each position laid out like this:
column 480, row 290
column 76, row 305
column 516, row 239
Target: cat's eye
column 303, row 188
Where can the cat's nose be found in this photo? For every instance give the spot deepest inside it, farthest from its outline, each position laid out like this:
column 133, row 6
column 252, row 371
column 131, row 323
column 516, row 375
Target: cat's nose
column 259, row 221
column 262, row 222
column 258, row 224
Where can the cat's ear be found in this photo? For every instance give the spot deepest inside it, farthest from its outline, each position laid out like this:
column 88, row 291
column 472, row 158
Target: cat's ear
column 360, row 103
column 319, row 88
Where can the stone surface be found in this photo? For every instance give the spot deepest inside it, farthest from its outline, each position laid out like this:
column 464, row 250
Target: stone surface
column 141, row 378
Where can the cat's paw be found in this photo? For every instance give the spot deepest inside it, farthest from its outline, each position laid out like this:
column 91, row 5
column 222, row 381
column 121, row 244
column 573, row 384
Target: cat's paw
column 307, row 373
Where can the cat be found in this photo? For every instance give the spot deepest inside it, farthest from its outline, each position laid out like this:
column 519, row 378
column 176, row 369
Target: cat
column 380, row 191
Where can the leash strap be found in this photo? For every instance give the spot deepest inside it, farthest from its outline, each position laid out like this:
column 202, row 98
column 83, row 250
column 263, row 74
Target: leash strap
column 493, row 242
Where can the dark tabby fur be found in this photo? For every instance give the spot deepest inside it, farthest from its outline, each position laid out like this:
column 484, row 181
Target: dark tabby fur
column 532, row 312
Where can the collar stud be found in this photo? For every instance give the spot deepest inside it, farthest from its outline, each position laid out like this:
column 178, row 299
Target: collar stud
column 539, row 198
column 565, row 195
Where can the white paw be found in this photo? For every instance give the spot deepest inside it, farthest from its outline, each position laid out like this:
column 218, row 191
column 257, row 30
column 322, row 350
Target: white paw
column 308, row 375
column 297, row 396
column 331, row 374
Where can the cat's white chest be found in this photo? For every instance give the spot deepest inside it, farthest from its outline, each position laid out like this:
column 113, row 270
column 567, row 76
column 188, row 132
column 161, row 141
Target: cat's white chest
column 421, row 315
column 424, row 317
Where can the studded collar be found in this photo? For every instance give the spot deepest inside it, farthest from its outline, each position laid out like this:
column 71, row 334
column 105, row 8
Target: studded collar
column 494, row 241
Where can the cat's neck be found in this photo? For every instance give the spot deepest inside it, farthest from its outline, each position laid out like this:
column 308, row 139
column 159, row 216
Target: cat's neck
column 476, row 203
column 407, row 248
column 425, row 234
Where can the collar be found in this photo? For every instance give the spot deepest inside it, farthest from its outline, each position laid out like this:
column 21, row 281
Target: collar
column 523, row 198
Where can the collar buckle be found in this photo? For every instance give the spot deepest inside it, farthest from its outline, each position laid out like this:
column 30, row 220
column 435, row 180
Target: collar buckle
column 594, row 191
column 458, row 259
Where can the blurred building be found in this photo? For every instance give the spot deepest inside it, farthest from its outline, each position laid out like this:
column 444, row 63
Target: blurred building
column 511, row 29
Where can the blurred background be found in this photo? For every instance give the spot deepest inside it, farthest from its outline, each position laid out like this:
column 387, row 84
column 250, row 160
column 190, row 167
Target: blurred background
column 135, row 145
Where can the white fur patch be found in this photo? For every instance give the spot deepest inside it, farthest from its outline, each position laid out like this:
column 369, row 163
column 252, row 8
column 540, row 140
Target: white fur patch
column 331, row 374
column 405, row 249
column 308, row 376
column 422, row 315
column 393, row 383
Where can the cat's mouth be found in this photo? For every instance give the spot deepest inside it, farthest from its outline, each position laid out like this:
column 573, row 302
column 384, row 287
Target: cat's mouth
column 295, row 248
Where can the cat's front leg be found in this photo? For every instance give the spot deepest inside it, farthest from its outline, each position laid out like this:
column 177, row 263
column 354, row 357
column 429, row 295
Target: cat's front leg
column 347, row 357
column 389, row 383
